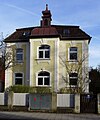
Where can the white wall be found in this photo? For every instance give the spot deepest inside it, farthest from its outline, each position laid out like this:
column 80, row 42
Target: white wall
column 19, row 99
column 1, row 98
column 65, row 100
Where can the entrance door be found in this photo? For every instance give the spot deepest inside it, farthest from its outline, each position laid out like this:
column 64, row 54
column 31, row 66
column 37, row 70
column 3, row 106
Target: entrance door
column 88, row 103
column 40, row 101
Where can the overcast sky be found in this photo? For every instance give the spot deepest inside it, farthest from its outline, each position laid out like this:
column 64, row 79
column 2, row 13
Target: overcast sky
column 27, row 13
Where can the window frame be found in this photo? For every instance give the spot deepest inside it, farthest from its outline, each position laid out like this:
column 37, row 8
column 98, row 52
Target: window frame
column 19, row 78
column 71, row 85
column 44, row 52
column 19, row 53
column 72, row 52
column 43, row 79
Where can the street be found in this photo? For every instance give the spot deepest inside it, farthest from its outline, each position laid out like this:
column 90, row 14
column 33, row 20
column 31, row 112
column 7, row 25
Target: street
column 46, row 116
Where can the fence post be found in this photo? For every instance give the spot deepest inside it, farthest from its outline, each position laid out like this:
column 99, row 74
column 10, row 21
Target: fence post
column 10, row 100
column 77, row 103
column 54, row 102
column 98, row 97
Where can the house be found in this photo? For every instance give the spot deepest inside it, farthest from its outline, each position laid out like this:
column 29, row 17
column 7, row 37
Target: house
column 53, row 56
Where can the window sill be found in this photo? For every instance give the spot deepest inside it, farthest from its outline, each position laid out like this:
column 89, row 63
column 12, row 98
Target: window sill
column 19, row 62
column 73, row 61
column 49, row 86
column 73, row 86
column 43, row 60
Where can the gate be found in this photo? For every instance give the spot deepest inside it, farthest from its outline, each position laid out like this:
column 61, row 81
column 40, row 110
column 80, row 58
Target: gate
column 40, row 101
column 88, row 103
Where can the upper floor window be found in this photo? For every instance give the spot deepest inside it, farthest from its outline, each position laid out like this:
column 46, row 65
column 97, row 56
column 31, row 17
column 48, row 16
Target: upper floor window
column 73, row 53
column 18, row 78
column 73, row 78
column 44, row 78
column 19, row 55
column 44, row 52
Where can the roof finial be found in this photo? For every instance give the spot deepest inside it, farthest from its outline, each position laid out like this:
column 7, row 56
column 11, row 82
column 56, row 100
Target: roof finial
column 46, row 6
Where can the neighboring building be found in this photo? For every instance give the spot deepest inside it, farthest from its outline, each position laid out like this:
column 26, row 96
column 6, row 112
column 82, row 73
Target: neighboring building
column 39, row 51
column 2, row 74
column 94, row 76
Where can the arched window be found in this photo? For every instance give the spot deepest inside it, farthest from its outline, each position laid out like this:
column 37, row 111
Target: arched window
column 73, row 78
column 43, row 78
column 44, row 52
column 19, row 55
column 73, row 53
column 18, row 78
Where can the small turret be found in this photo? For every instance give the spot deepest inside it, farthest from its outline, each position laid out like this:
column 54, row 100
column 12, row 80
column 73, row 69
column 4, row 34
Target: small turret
column 46, row 18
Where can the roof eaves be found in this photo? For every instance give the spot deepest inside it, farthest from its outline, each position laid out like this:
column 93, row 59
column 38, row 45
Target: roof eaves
column 43, row 36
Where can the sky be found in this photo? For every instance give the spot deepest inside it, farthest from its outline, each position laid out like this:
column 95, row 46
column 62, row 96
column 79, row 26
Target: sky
column 27, row 13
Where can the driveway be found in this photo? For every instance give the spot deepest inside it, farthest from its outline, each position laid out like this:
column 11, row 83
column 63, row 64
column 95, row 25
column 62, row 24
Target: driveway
column 46, row 116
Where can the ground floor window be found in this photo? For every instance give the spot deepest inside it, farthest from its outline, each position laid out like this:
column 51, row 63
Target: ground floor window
column 18, row 78
column 43, row 78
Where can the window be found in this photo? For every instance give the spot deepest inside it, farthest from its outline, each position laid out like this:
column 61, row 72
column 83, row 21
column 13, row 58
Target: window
column 19, row 55
column 66, row 32
column 73, row 53
column 44, row 52
column 44, row 78
column 46, row 22
column 18, row 78
column 73, row 78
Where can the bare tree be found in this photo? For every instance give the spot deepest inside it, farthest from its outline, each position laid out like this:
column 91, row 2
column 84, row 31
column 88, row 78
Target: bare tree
column 6, row 56
column 78, row 67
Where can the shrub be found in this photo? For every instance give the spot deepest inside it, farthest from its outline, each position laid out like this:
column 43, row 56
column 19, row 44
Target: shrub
column 28, row 89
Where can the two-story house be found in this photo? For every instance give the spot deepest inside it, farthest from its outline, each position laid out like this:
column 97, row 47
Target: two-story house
column 54, row 56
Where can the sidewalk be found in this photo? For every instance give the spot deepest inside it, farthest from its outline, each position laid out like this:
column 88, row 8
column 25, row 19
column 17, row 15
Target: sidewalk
column 46, row 116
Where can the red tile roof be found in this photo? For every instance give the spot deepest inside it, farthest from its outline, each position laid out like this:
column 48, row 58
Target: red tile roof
column 45, row 31
column 61, row 31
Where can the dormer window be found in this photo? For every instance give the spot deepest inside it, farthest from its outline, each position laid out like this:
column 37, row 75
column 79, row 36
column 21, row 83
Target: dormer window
column 26, row 34
column 66, row 32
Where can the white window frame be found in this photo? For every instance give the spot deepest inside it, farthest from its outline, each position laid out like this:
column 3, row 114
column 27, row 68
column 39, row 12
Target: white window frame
column 43, row 50
column 19, row 77
column 69, row 52
column 20, row 53
column 43, row 79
